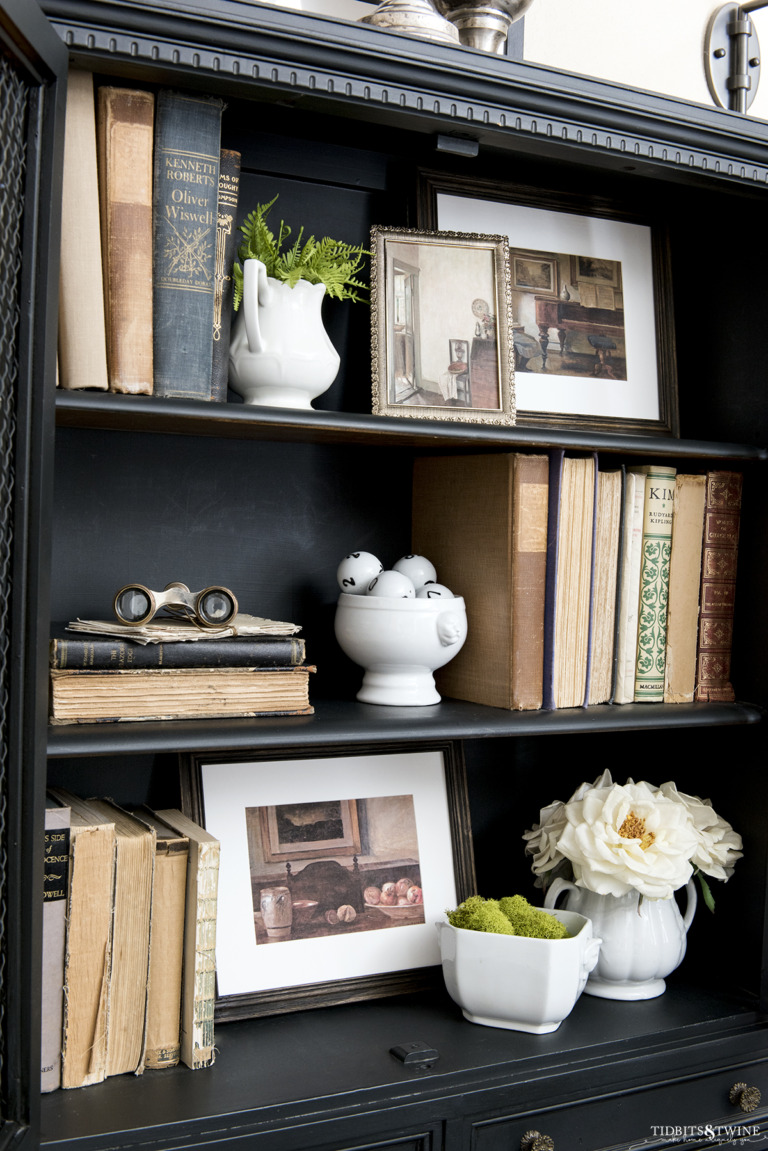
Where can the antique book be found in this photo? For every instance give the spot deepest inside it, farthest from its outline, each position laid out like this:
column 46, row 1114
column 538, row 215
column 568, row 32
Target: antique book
column 185, row 199
column 718, row 585
column 82, row 353
column 178, row 693
column 684, row 583
column 131, row 908
column 55, row 892
column 125, row 122
column 570, row 564
column 482, row 521
column 82, row 652
column 88, row 959
column 629, row 581
column 166, row 948
column 166, row 629
column 654, row 584
column 607, row 539
column 198, row 988
column 226, row 250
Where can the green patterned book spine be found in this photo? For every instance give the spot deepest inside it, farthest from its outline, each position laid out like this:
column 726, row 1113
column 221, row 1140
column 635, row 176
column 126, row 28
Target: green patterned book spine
column 185, row 203
column 654, row 584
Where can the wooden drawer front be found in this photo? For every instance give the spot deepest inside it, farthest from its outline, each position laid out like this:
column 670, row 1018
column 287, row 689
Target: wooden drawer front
column 361, row 1136
column 690, row 1114
column 421, row 1142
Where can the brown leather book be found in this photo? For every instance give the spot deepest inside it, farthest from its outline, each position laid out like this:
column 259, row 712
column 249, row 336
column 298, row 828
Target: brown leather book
column 718, row 586
column 125, row 135
column 482, row 521
column 226, row 248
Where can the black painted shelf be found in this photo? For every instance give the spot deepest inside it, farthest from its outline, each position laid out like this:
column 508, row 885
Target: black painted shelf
column 342, row 1069
column 109, row 412
column 359, row 724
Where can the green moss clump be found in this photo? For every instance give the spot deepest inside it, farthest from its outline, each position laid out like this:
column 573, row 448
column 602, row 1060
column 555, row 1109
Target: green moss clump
column 531, row 921
column 478, row 914
column 512, row 915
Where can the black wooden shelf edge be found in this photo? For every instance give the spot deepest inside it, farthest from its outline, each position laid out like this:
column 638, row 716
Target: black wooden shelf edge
column 107, row 411
column 341, row 1067
column 322, row 44
column 357, row 724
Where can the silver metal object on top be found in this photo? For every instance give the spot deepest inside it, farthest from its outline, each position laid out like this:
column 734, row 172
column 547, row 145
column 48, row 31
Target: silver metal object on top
column 483, row 25
column 732, row 55
column 413, row 18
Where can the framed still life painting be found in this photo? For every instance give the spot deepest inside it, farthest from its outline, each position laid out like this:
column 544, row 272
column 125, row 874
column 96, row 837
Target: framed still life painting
column 335, row 866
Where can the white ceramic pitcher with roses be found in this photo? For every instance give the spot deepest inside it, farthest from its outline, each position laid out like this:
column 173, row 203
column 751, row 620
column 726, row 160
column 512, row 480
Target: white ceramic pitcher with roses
column 280, row 355
column 644, row 939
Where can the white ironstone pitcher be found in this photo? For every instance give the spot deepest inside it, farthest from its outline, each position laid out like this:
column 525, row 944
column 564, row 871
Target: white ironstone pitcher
column 280, row 355
column 643, row 939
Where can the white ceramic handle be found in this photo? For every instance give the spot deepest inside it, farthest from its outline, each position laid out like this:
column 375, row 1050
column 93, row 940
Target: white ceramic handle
column 256, row 293
column 449, row 626
column 558, row 885
column 690, row 909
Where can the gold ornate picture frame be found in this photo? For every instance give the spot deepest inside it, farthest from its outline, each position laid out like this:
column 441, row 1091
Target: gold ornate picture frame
column 431, row 294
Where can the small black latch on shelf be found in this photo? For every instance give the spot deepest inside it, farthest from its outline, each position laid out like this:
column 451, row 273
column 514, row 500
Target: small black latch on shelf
column 416, row 1055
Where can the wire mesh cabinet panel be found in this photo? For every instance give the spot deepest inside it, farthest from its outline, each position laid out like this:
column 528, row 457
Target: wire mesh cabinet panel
column 32, row 59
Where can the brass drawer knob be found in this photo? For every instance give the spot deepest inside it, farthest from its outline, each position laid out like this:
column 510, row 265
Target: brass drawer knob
column 747, row 1098
column 535, row 1141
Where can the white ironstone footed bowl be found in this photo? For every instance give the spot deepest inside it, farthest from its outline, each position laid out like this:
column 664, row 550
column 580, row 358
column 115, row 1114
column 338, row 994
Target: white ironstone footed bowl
column 400, row 643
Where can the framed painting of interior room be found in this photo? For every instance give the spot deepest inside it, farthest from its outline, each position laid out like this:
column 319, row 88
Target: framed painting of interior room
column 440, row 316
column 592, row 325
column 335, row 866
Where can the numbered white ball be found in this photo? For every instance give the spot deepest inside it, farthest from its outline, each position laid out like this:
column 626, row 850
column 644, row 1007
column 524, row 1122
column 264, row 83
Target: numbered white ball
column 435, row 591
column 393, row 585
column 356, row 571
column 417, row 568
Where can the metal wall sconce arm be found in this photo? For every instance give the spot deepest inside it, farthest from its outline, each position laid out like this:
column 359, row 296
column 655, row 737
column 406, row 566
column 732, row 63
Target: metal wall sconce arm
column 732, row 55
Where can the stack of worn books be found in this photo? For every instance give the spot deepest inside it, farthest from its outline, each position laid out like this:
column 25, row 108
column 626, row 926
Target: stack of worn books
column 134, row 981
column 596, row 584
column 104, row 671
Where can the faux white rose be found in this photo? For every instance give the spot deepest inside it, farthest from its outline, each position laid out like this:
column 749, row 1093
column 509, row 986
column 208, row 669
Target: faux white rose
column 542, row 840
column 719, row 845
column 629, row 838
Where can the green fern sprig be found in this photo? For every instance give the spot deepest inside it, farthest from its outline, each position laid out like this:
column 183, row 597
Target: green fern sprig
column 329, row 262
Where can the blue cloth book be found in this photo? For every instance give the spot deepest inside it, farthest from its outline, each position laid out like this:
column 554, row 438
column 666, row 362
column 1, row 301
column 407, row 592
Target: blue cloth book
column 185, row 202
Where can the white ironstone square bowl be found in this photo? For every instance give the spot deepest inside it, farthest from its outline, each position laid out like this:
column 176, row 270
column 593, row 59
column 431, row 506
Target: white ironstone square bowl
column 516, row 982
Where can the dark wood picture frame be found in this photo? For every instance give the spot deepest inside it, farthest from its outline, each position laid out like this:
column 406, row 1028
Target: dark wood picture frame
column 297, row 996
column 432, row 184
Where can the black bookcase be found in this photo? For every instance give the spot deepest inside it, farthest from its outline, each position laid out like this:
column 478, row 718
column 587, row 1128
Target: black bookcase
column 338, row 117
